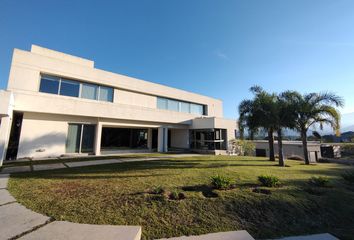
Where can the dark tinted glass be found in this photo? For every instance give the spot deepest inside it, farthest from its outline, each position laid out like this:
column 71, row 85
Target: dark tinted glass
column 88, row 138
column 69, row 88
column 49, row 85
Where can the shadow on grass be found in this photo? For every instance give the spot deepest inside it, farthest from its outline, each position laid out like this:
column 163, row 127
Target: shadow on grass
column 125, row 167
column 206, row 190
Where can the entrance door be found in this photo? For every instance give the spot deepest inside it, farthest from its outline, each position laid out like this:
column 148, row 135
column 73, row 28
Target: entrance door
column 15, row 133
column 81, row 138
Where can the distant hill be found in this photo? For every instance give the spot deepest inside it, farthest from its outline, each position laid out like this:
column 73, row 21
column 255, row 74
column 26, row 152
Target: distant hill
column 344, row 137
column 347, row 125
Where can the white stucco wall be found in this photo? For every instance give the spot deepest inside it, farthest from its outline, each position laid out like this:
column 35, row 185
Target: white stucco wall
column 291, row 148
column 42, row 136
column 135, row 99
column 27, row 66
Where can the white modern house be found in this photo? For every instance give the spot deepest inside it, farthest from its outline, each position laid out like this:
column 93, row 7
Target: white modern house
column 57, row 104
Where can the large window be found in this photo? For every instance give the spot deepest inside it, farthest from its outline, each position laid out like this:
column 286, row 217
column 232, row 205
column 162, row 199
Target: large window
column 80, row 138
column 123, row 138
column 161, row 103
column 106, row 94
column 172, row 105
column 197, row 109
column 49, row 85
column 179, row 106
column 208, row 139
column 69, row 88
column 72, row 88
column 89, row 91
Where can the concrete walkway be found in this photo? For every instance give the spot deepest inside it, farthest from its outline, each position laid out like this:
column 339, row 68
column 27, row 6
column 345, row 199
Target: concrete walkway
column 18, row 222
column 84, row 163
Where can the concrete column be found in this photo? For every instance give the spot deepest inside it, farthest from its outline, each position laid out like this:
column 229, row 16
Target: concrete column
column 165, row 140
column 5, row 128
column 160, row 139
column 149, row 140
column 98, row 136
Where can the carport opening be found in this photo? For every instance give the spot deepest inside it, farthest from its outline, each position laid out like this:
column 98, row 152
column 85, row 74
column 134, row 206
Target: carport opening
column 124, row 138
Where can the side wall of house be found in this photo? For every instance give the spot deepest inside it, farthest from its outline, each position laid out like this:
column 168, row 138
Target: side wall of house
column 44, row 135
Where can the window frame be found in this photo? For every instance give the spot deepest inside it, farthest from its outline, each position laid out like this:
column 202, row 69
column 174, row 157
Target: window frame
column 80, row 83
column 201, row 107
column 72, row 82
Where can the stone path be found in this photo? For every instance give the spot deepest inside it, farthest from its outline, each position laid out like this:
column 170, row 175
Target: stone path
column 18, row 222
column 67, row 230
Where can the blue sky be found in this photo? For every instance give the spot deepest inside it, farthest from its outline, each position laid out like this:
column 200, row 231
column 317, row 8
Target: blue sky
column 216, row 48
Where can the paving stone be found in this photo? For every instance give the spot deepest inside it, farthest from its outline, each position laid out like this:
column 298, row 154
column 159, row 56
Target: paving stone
column 234, row 235
column 91, row 163
column 5, row 197
column 16, row 169
column 323, row 236
column 41, row 167
column 15, row 219
column 4, row 178
column 67, row 231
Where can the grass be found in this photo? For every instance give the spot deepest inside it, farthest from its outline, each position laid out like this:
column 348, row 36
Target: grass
column 121, row 194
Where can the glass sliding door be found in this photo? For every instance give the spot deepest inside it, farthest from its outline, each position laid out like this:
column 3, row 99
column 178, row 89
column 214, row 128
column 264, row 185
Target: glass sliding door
column 88, row 138
column 73, row 139
column 80, row 138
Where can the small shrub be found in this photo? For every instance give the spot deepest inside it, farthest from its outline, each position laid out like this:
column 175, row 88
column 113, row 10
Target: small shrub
column 269, row 181
column 348, row 176
column 243, row 147
column 157, row 190
column 319, row 181
column 176, row 195
column 220, row 182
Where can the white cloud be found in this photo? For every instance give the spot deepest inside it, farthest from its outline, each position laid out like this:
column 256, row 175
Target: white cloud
column 221, row 55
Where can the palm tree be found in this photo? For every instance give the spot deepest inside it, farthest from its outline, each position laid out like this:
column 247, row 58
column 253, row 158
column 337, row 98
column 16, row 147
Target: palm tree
column 258, row 113
column 314, row 108
column 264, row 110
column 283, row 118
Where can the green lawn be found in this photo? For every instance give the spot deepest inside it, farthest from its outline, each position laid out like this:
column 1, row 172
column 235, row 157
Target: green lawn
column 119, row 194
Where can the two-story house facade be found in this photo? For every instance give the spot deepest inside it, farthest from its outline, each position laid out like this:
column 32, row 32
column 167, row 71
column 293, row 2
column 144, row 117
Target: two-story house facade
column 57, row 104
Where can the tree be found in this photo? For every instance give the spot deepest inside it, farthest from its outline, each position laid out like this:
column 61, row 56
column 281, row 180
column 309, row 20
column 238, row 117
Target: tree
column 257, row 113
column 283, row 118
column 314, row 108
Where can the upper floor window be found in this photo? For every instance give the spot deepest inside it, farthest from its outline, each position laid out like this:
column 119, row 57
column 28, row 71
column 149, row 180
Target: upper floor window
column 106, row 94
column 49, row 85
column 179, row 106
column 72, row 88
